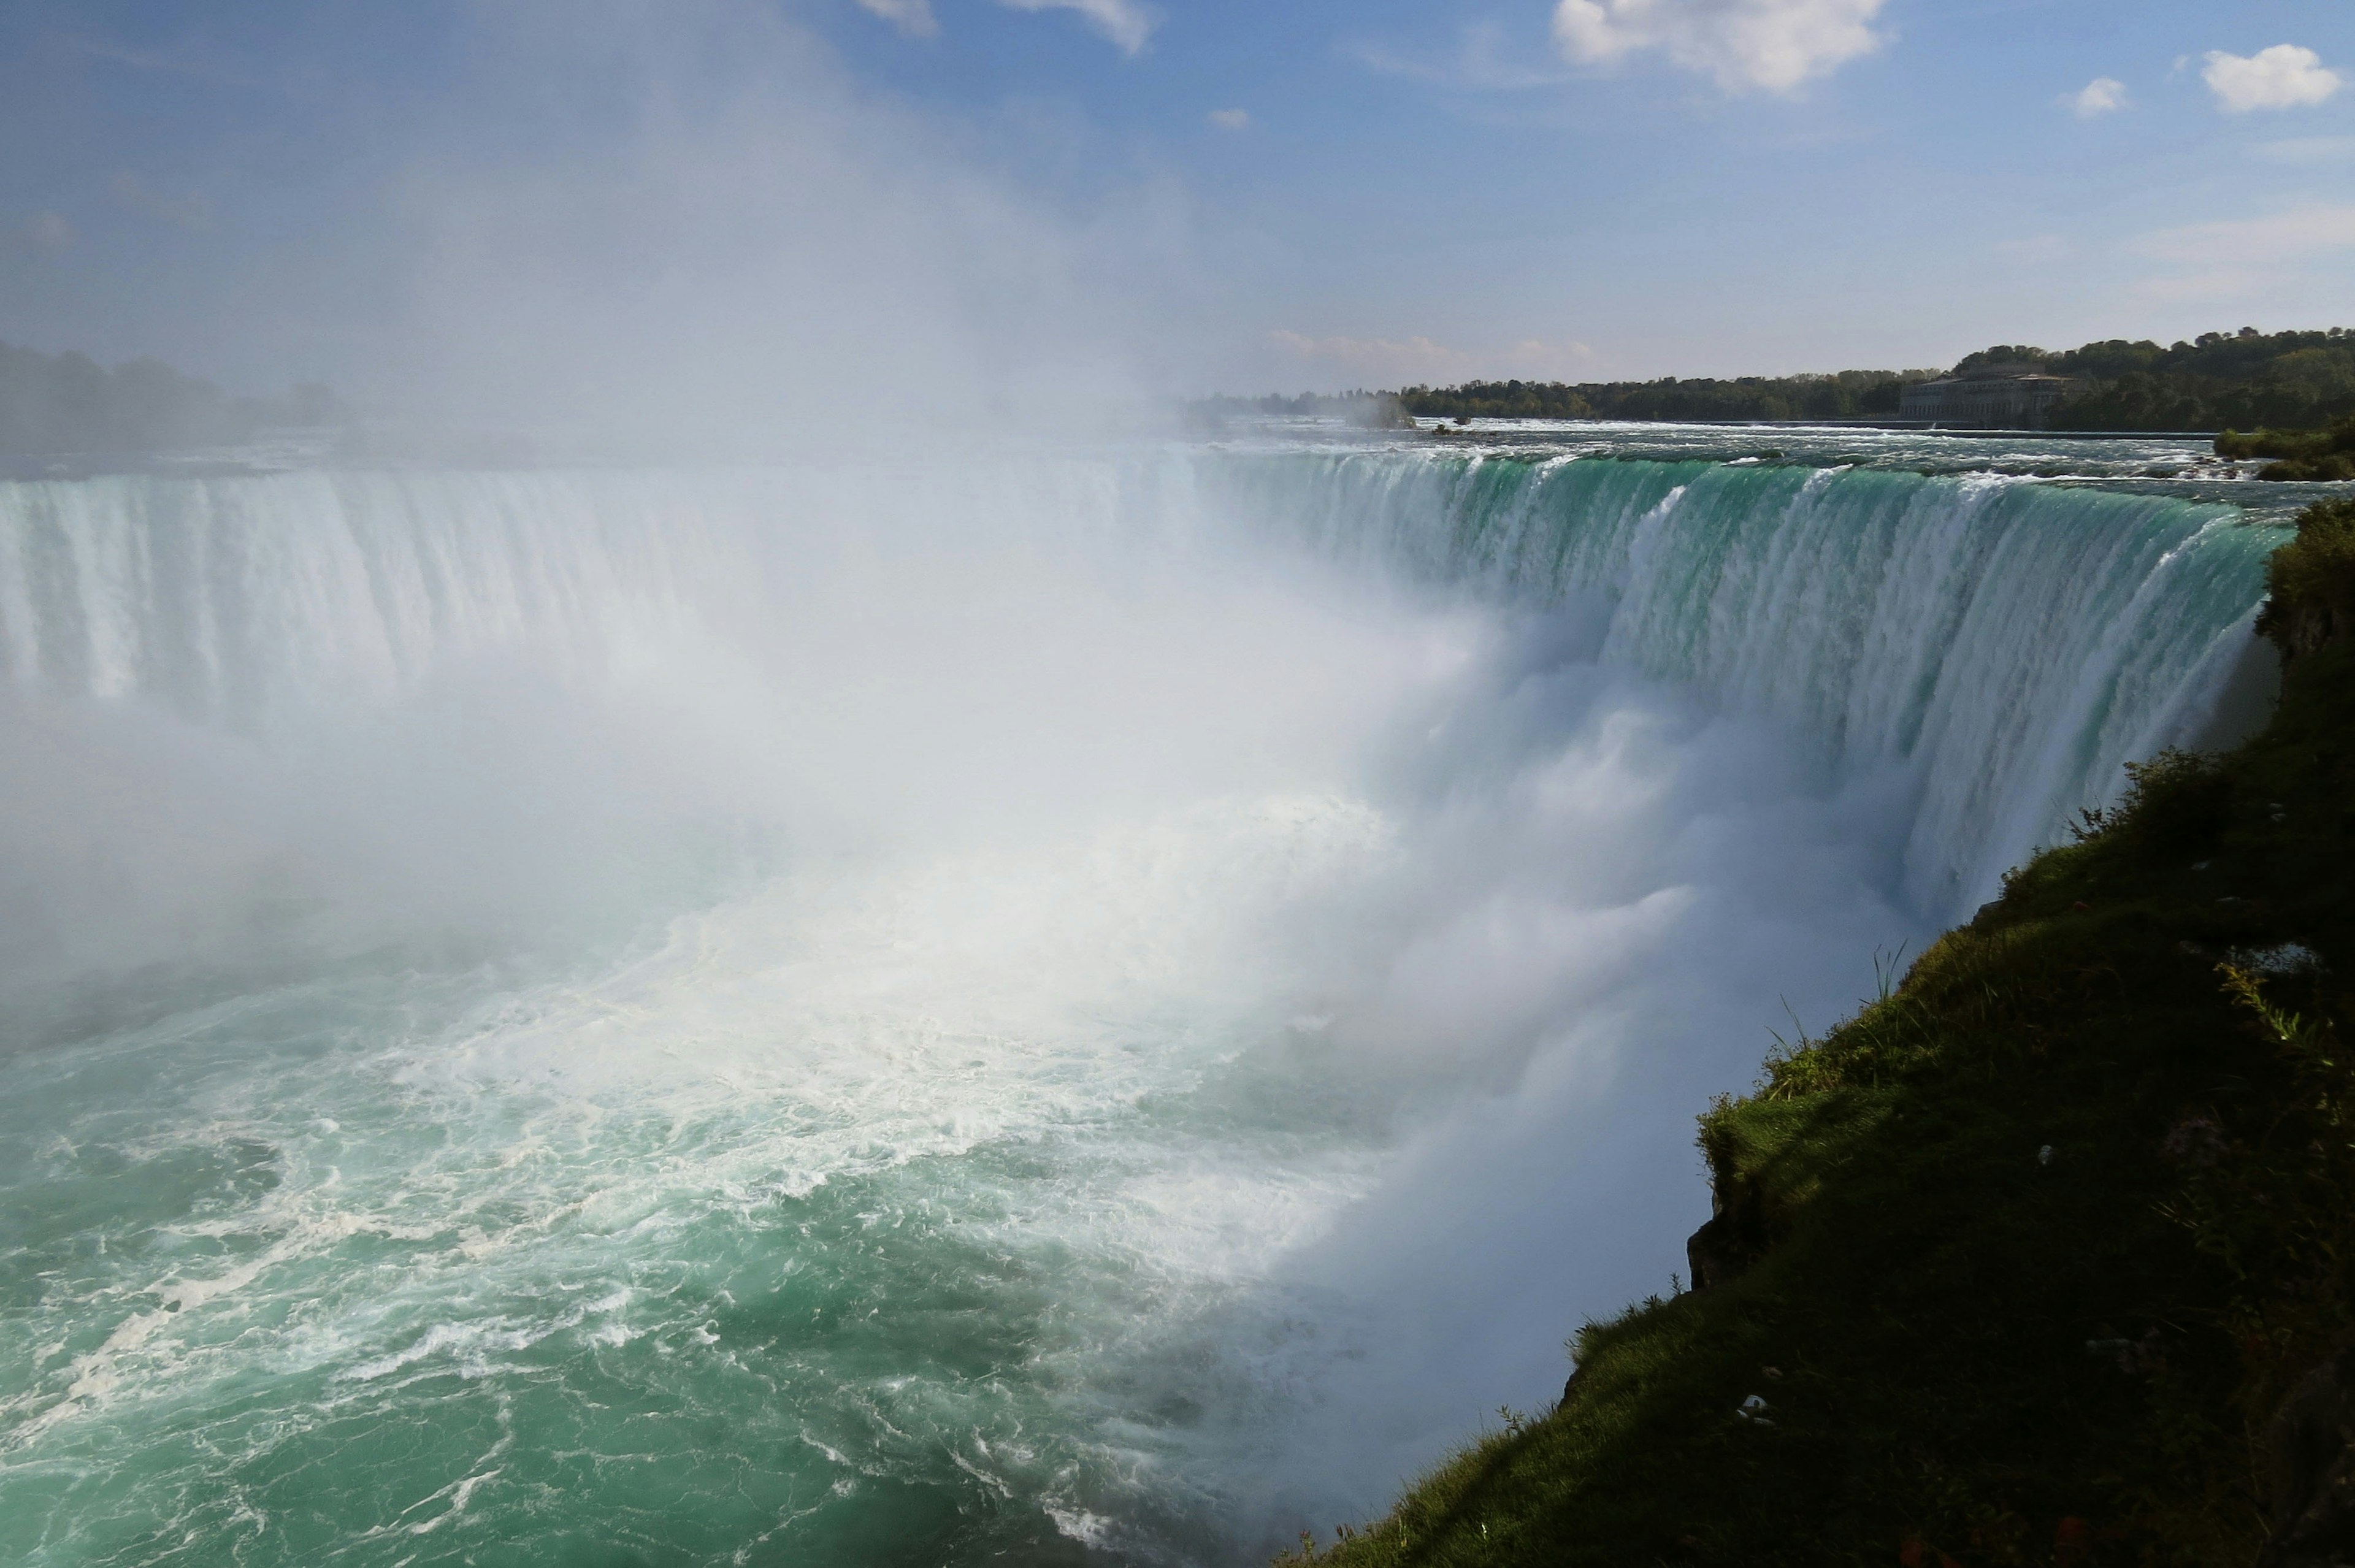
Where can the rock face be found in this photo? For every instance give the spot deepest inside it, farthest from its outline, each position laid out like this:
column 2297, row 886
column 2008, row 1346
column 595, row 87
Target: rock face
column 1735, row 1237
column 2313, row 1480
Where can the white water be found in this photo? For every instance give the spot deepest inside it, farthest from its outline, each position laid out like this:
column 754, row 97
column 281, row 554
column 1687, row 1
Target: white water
column 911, row 1012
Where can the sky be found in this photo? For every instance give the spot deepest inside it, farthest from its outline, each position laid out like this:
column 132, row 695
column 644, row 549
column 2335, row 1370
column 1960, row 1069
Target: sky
column 532, row 200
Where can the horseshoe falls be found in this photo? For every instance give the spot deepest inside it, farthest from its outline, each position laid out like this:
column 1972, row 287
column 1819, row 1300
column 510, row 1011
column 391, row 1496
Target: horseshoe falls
column 1086, row 1008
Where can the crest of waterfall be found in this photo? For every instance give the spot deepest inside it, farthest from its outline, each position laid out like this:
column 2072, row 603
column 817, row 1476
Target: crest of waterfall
column 2013, row 644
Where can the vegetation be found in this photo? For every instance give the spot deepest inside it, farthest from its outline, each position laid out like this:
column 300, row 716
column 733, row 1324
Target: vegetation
column 2304, row 454
column 2286, row 380
column 2042, row 1257
column 2291, row 380
column 67, row 403
column 1845, row 394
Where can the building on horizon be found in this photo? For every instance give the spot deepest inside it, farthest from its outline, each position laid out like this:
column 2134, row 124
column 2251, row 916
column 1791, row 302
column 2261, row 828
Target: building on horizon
column 1986, row 397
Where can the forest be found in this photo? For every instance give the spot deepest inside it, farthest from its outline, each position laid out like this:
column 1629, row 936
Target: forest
column 67, row 403
column 2240, row 381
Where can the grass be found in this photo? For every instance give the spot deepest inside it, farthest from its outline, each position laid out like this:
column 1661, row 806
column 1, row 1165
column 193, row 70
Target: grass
column 2043, row 1234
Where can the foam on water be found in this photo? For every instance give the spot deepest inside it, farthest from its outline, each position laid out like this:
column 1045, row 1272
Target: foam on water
column 1055, row 1005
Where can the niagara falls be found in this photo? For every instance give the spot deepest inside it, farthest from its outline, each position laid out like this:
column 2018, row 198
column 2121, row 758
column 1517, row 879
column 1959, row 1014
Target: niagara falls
column 780, row 874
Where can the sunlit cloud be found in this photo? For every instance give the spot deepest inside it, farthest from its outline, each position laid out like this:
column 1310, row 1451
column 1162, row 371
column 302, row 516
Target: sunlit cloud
column 190, row 212
column 913, row 18
column 1489, row 61
column 2232, row 257
column 1127, row 22
column 2103, row 95
column 1773, row 45
column 2308, row 150
column 2035, row 248
column 49, row 231
column 2218, row 285
column 161, row 62
column 2290, row 235
column 2283, row 77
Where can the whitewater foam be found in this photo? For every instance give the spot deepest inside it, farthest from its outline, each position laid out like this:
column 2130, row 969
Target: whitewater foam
column 883, row 1012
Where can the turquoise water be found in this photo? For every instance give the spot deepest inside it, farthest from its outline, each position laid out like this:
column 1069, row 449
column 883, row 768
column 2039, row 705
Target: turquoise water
column 1080, row 1008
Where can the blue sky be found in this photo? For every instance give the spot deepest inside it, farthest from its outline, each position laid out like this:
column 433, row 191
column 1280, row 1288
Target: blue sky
column 1236, row 196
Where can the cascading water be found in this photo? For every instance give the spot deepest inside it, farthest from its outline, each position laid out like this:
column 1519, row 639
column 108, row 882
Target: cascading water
column 2014, row 642
column 908, row 1014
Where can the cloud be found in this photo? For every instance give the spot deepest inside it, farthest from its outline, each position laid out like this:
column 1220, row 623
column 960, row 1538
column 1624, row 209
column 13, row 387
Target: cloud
column 1488, row 61
column 164, row 64
column 2103, row 95
column 1230, row 119
column 49, row 231
column 190, row 212
column 2215, row 286
column 2036, row 249
column 1127, row 23
column 2236, row 257
column 1421, row 359
column 2283, row 77
column 2286, row 236
column 2308, row 150
column 1775, row 45
column 913, row 18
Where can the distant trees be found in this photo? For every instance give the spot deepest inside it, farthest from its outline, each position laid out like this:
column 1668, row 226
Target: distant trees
column 1843, row 394
column 2284, row 380
column 2238, row 381
column 66, row 403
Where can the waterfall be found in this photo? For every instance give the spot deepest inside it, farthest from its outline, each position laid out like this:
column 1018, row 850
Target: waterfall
column 2012, row 643
column 958, row 1009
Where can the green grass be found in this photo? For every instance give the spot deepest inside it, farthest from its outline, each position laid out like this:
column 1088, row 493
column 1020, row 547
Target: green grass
column 1969, row 1351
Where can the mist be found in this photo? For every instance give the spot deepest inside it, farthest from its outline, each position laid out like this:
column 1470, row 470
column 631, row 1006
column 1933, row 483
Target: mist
column 833, row 953
column 1348, row 953
column 623, row 230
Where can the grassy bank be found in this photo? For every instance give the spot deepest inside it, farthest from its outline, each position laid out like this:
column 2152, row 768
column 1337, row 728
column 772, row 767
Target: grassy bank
column 2043, row 1257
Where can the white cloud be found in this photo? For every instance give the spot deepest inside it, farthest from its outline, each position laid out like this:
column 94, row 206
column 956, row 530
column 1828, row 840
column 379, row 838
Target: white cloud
column 2036, row 249
column 2103, row 95
column 1771, row 44
column 1490, row 60
column 2286, row 236
column 2217, row 286
column 2283, row 77
column 2308, row 150
column 2233, row 258
column 913, row 18
column 1127, row 23
column 1420, row 360
column 191, row 212
column 49, row 231
column 1230, row 119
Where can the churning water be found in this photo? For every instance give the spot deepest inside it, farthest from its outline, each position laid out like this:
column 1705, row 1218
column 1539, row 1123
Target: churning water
column 1049, row 1007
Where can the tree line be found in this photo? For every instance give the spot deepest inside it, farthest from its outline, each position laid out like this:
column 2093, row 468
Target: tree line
column 2282, row 380
column 1842, row 394
column 69, row 403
